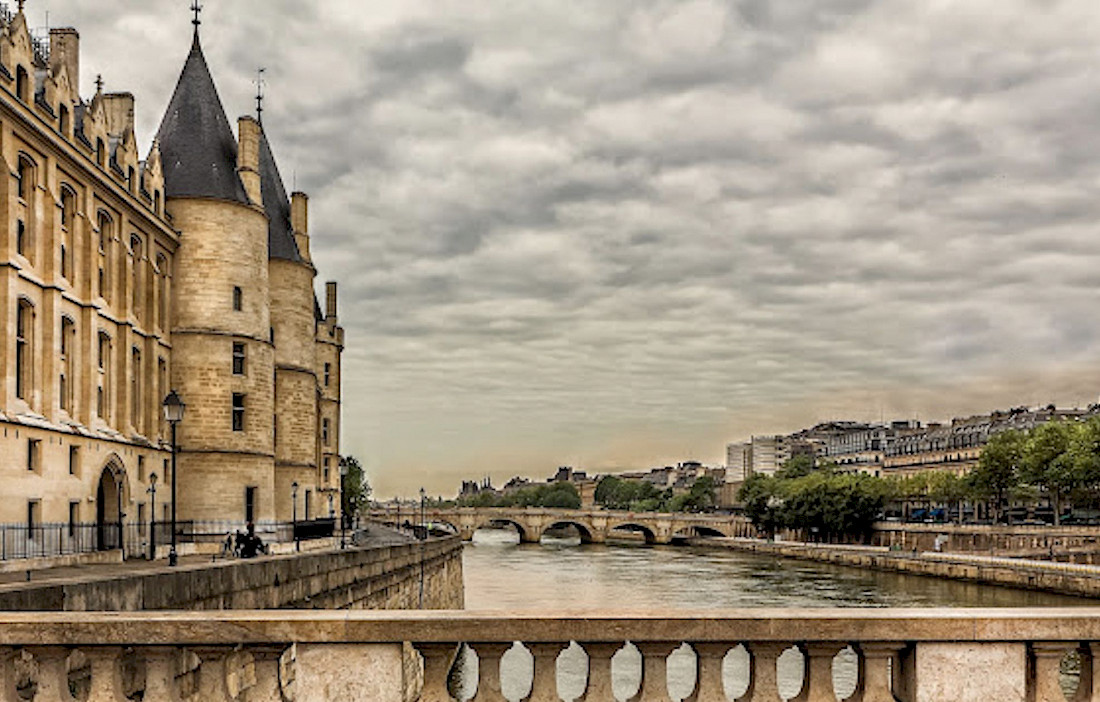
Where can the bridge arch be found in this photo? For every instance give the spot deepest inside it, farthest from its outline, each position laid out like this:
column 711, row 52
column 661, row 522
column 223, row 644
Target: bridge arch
column 498, row 521
column 697, row 530
column 650, row 535
column 583, row 529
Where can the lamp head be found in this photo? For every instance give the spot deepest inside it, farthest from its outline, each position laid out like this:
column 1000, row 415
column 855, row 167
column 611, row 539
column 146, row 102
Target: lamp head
column 174, row 408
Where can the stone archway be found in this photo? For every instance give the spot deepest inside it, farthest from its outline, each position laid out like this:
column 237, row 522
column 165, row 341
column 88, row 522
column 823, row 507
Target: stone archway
column 109, row 506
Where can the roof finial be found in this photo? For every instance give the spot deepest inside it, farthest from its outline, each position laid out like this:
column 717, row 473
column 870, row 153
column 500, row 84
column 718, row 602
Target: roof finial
column 99, row 83
column 197, row 9
column 21, row 4
column 260, row 95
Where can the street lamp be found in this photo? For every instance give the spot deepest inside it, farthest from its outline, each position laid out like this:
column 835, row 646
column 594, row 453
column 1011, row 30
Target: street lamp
column 423, row 524
column 173, row 413
column 343, row 511
column 423, row 537
column 294, row 514
column 153, row 517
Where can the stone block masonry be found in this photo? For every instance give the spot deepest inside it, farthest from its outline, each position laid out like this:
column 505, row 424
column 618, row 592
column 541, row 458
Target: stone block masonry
column 368, row 578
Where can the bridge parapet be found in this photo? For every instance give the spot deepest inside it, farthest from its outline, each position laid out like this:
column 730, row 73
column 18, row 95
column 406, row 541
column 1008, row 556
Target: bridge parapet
column 595, row 526
column 909, row 655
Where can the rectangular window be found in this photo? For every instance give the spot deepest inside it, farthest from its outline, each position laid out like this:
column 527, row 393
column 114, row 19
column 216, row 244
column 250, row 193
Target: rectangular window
column 309, row 505
column 74, row 518
column 326, row 471
column 238, row 358
column 324, row 431
column 33, row 517
column 238, row 412
column 141, row 518
column 21, row 238
column 23, row 356
column 74, row 460
column 99, row 402
column 34, row 448
column 328, row 374
column 141, row 469
column 250, row 504
column 238, row 299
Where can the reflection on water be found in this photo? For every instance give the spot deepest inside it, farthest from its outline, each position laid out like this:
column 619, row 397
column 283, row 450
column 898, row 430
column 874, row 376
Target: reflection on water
column 559, row 575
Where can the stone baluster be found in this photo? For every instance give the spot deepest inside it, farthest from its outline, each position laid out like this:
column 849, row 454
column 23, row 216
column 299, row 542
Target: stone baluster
column 599, row 671
column 654, row 670
column 161, row 663
column 265, row 660
column 818, row 683
column 213, row 686
column 544, row 686
column 488, row 671
column 1047, row 662
column 7, row 674
column 875, row 672
column 53, row 674
column 764, row 681
column 709, row 686
column 438, row 659
column 106, row 663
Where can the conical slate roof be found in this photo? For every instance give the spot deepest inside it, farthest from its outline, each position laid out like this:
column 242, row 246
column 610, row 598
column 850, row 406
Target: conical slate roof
column 280, row 231
column 197, row 146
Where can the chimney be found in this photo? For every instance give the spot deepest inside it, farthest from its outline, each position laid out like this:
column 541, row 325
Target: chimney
column 299, row 220
column 65, row 51
column 119, row 108
column 248, row 158
column 330, row 300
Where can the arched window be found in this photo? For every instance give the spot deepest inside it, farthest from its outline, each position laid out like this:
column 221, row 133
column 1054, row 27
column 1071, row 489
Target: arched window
column 24, row 350
column 68, row 215
column 136, row 398
column 24, row 178
column 137, row 253
column 100, row 153
column 103, row 359
column 162, row 293
column 65, row 121
column 156, row 202
column 68, row 349
column 106, row 239
column 130, row 178
column 22, row 84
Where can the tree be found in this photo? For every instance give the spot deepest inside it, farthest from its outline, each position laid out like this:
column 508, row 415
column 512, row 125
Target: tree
column 795, row 467
column 355, row 490
column 1085, row 454
column 763, row 501
column 1048, row 463
column 998, row 468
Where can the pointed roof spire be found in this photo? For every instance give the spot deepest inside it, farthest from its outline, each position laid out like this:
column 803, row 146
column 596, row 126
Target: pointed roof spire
column 197, row 9
column 260, row 95
column 280, row 231
column 198, row 149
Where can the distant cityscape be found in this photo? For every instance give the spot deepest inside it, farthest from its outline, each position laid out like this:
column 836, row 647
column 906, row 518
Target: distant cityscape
column 899, row 448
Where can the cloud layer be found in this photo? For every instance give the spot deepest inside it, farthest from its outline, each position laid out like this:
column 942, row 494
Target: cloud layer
column 623, row 232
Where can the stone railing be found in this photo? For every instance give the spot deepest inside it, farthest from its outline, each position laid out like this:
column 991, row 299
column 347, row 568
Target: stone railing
column 747, row 656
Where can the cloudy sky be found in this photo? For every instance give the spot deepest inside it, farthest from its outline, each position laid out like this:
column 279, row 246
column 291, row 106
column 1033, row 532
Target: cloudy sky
column 619, row 233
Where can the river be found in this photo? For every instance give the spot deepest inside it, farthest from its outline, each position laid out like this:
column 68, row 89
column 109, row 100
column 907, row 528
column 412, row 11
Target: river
column 559, row 575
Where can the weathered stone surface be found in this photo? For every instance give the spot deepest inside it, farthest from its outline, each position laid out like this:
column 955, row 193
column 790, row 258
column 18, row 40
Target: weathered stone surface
column 349, row 673
column 966, row 672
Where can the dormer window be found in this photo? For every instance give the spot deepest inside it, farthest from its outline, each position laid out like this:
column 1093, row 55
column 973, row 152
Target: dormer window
column 22, row 85
column 100, row 153
column 66, row 122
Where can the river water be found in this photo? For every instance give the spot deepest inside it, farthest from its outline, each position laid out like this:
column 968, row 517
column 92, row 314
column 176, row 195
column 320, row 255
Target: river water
column 559, row 575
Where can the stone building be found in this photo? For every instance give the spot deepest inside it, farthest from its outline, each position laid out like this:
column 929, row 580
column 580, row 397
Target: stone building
column 123, row 278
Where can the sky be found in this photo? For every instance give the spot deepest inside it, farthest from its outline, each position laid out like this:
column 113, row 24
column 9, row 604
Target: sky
column 624, row 233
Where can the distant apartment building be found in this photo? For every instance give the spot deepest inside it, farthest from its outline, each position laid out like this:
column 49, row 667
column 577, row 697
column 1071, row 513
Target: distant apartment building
column 738, row 461
column 769, row 453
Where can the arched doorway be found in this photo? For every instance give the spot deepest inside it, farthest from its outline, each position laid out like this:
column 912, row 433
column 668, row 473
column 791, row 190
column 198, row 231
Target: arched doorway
column 108, row 507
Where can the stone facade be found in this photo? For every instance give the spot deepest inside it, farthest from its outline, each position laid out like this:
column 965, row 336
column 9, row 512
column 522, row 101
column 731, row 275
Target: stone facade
column 122, row 279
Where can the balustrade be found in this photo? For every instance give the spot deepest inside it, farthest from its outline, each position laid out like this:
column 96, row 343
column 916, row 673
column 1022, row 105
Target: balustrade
column 738, row 657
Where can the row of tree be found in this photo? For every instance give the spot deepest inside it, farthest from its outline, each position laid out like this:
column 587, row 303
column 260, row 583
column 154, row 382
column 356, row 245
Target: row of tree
column 1057, row 462
column 555, row 495
column 613, row 492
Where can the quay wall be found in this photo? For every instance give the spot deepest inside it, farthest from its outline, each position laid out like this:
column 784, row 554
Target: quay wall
column 1070, row 542
column 387, row 577
column 1060, row 578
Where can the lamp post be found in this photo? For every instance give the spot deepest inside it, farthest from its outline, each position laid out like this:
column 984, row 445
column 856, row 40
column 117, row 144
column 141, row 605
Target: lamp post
column 423, row 537
column 153, row 517
column 343, row 510
column 294, row 515
column 173, row 413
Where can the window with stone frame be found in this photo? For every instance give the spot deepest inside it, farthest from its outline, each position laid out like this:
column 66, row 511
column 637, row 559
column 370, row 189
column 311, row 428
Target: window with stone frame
column 238, row 358
column 24, row 350
column 238, row 411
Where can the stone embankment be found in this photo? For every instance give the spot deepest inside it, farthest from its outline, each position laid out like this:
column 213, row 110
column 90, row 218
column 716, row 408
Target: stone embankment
column 1047, row 576
column 398, row 576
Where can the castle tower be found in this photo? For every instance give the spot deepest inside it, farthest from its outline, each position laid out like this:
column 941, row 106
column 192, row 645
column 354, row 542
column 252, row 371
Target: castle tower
column 296, row 387
column 223, row 362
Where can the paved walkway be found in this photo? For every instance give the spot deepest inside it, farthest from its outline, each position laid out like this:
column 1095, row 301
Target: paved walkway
column 104, row 571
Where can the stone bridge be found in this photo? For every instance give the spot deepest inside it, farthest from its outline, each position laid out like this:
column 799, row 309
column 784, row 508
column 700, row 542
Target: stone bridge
column 594, row 525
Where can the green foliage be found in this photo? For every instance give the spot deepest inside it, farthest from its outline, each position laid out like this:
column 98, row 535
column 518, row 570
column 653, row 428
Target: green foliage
column 796, row 467
column 824, row 502
column 356, row 490
column 552, row 495
column 635, row 495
